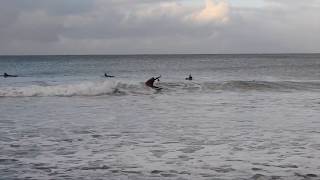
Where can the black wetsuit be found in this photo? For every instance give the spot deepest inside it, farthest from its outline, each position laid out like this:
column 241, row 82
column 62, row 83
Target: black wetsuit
column 108, row 76
column 5, row 75
column 189, row 78
column 150, row 83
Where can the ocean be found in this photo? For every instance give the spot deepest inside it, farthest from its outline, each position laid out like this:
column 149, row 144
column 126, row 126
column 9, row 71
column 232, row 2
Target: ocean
column 242, row 117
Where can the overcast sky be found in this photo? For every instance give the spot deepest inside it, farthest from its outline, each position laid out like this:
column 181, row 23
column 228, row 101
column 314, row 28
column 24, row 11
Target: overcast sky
column 159, row 26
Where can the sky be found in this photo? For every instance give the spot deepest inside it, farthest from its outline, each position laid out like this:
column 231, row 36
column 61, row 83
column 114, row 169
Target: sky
column 159, row 26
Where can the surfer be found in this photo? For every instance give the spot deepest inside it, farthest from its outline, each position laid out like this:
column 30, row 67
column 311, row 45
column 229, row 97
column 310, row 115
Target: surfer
column 108, row 76
column 5, row 75
column 150, row 82
column 189, row 78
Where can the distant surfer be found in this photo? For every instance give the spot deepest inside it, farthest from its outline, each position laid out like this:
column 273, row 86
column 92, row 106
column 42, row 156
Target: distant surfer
column 5, row 75
column 189, row 78
column 108, row 76
column 150, row 82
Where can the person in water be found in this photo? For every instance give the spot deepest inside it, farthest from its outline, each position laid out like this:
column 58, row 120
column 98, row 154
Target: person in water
column 5, row 75
column 189, row 78
column 108, row 76
column 150, row 82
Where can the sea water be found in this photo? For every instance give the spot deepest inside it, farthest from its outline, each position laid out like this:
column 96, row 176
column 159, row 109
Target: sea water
column 242, row 117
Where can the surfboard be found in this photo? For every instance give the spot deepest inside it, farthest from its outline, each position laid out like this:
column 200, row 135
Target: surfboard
column 158, row 88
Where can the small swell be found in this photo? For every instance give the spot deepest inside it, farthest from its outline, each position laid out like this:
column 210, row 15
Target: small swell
column 244, row 86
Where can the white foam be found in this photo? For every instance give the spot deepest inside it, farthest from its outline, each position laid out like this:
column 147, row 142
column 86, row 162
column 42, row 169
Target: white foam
column 76, row 89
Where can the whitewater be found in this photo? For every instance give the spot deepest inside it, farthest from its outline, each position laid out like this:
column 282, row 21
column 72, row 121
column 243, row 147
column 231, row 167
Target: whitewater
column 112, row 87
column 242, row 117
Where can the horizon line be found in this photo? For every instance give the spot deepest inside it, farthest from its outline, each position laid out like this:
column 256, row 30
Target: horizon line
column 158, row 54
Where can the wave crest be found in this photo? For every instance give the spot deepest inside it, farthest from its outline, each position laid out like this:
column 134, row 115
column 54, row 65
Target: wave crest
column 121, row 88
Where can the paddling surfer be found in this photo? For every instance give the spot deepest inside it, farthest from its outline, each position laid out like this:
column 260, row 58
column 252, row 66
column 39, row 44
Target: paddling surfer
column 150, row 82
column 108, row 76
column 5, row 75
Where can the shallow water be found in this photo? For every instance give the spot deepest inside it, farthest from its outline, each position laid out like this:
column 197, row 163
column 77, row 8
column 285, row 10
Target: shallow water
column 243, row 117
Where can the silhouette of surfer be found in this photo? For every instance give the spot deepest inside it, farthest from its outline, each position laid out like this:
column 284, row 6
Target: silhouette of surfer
column 108, row 76
column 150, row 82
column 5, row 75
column 189, row 78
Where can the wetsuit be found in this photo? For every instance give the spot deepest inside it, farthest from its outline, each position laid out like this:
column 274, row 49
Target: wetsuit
column 106, row 75
column 5, row 75
column 189, row 78
column 150, row 82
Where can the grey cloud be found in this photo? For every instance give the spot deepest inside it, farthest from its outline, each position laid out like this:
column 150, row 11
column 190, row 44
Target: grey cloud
column 56, row 7
column 126, row 26
column 21, row 19
column 139, row 20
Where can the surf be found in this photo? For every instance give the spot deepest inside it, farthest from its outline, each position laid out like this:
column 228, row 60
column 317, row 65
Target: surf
column 109, row 87
column 73, row 89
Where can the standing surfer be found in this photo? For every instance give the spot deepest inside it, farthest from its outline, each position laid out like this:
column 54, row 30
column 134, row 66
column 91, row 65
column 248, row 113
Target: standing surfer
column 150, row 82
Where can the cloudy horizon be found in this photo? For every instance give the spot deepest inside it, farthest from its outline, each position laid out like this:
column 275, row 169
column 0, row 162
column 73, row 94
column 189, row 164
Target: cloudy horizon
column 159, row 26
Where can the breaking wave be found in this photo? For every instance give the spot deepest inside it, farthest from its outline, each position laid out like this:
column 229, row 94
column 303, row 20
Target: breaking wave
column 80, row 89
column 99, row 88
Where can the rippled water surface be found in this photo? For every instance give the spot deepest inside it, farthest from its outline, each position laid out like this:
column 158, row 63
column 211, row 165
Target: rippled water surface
column 243, row 117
